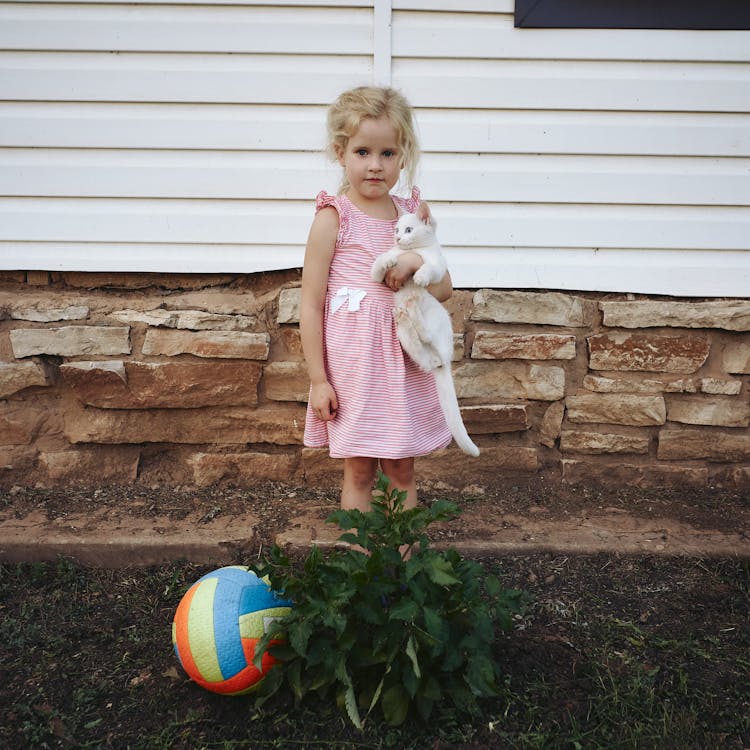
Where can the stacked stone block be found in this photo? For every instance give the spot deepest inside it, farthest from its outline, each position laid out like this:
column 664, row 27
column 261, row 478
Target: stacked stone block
column 196, row 379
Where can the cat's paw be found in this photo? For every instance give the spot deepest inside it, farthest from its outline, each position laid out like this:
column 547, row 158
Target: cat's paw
column 422, row 276
column 377, row 273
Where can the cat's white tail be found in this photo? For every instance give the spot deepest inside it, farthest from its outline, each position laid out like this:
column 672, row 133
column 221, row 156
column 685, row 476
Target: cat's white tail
column 449, row 404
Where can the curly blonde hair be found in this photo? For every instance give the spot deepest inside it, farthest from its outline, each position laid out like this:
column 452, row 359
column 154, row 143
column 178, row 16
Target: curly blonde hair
column 346, row 114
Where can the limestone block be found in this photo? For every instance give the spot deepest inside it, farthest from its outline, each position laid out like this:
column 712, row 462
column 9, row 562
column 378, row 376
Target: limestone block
column 220, row 344
column 286, row 381
column 320, row 469
column 282, row 425
column 292, row 340
column 14, row 277
column 289, row 301
column 114, row 384
column 495, row 418
column 16, row 376
column 40, row 314
column 733, row 476
column 624, row 409
column 642, row 351
column 17, row 461
column 539, row 308
column 500, row 380
column 70, row 341
column 718, row 412
column 721, row 387
column 498, row 345
column 594, row 443
column 452, row 467
column 600, row 384
column 244, row 468
column 37, row 278
column 633, row 475
column 129, row 280
column 730, row 315
column 92, row 464
column 549, row 430
column 736, row 359
column 677, row 445
column 459, row 346
column 14, row 431
column 193, row 320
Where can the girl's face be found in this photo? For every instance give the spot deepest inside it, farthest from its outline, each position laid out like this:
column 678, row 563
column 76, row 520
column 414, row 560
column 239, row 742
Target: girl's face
column 372, row 159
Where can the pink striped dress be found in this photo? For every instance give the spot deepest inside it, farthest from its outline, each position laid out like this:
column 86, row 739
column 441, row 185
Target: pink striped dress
column 387, row 406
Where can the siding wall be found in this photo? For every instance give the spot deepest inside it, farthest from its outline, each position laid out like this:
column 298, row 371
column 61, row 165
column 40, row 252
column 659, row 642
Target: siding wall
column 187, row 137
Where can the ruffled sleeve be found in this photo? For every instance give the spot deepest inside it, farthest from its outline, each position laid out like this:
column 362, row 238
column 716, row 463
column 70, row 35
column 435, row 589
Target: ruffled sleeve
column 324, row 200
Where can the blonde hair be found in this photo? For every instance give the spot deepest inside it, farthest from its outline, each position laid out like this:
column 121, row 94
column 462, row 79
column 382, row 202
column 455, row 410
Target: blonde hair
column 346, row 114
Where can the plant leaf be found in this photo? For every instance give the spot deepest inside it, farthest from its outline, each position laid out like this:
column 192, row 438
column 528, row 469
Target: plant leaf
column 411, row 652
column 395, row 705
column 350, row 701
column 440, row 572
column 406, row 609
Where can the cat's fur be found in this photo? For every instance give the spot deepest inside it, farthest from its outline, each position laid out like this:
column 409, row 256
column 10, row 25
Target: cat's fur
column 422, row 323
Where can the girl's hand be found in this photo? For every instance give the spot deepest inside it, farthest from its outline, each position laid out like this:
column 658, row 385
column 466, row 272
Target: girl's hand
column 323, row 401
column 406, row 265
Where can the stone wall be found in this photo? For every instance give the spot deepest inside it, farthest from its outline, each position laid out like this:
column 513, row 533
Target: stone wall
column 187, row 379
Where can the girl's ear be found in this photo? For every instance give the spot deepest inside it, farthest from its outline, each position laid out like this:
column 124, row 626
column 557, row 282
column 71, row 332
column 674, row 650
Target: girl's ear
column 340, row 151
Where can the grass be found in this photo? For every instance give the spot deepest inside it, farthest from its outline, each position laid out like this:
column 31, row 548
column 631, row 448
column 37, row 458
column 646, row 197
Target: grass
column 614, row 652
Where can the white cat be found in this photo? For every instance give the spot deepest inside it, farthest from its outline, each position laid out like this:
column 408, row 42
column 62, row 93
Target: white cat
column 422, row 323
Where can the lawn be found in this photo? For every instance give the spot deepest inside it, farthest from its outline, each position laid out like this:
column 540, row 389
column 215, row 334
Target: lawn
column 613, row 652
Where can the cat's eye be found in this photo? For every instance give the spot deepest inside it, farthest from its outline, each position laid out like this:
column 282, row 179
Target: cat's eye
column 407, row 230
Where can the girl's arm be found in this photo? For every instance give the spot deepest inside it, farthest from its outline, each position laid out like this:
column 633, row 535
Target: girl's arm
column 406, row 266
column 318, row 254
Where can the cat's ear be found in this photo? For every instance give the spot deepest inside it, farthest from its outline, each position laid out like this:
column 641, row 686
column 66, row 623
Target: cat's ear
column 424, row 215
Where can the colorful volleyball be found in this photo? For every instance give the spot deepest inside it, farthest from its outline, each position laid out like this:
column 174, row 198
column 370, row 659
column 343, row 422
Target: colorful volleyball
column 218, row 624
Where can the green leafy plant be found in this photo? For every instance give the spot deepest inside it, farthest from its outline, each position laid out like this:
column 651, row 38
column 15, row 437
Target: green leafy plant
column 401, row 625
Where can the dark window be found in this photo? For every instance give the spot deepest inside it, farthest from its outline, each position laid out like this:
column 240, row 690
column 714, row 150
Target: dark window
column 633, row 14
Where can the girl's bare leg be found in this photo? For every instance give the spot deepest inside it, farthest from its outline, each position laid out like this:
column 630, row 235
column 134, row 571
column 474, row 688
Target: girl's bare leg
column 401, row 473
column 359, row 476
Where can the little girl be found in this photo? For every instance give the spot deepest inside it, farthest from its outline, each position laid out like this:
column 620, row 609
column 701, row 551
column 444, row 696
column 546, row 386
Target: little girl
column 368, row 401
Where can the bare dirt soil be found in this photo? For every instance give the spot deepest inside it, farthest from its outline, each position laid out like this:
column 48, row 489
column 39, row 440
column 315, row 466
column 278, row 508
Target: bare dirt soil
column 614, row 651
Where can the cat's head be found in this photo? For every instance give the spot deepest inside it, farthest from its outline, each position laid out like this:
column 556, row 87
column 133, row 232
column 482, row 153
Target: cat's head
column 415, row 230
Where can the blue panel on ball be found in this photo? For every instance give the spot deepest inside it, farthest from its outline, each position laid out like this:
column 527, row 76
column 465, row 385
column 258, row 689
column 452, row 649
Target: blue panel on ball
column 234, row 573
column 227, row 628
column 257, row 597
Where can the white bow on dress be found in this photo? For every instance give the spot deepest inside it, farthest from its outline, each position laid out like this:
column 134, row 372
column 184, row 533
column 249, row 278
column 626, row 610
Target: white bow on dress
column 354, row 297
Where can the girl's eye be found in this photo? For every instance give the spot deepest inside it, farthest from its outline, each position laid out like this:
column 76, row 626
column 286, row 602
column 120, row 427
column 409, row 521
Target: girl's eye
column 362, row 151
column 389, row 153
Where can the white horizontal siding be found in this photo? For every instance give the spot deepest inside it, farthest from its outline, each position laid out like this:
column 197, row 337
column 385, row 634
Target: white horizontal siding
column 181, row 77
column 144, row 126
column 155, row 28
column 575, row 159
column 492, row 36
column 561, row 132
column 464, row 225
column 269, row 175
column 293, row 128
column 575, row 85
